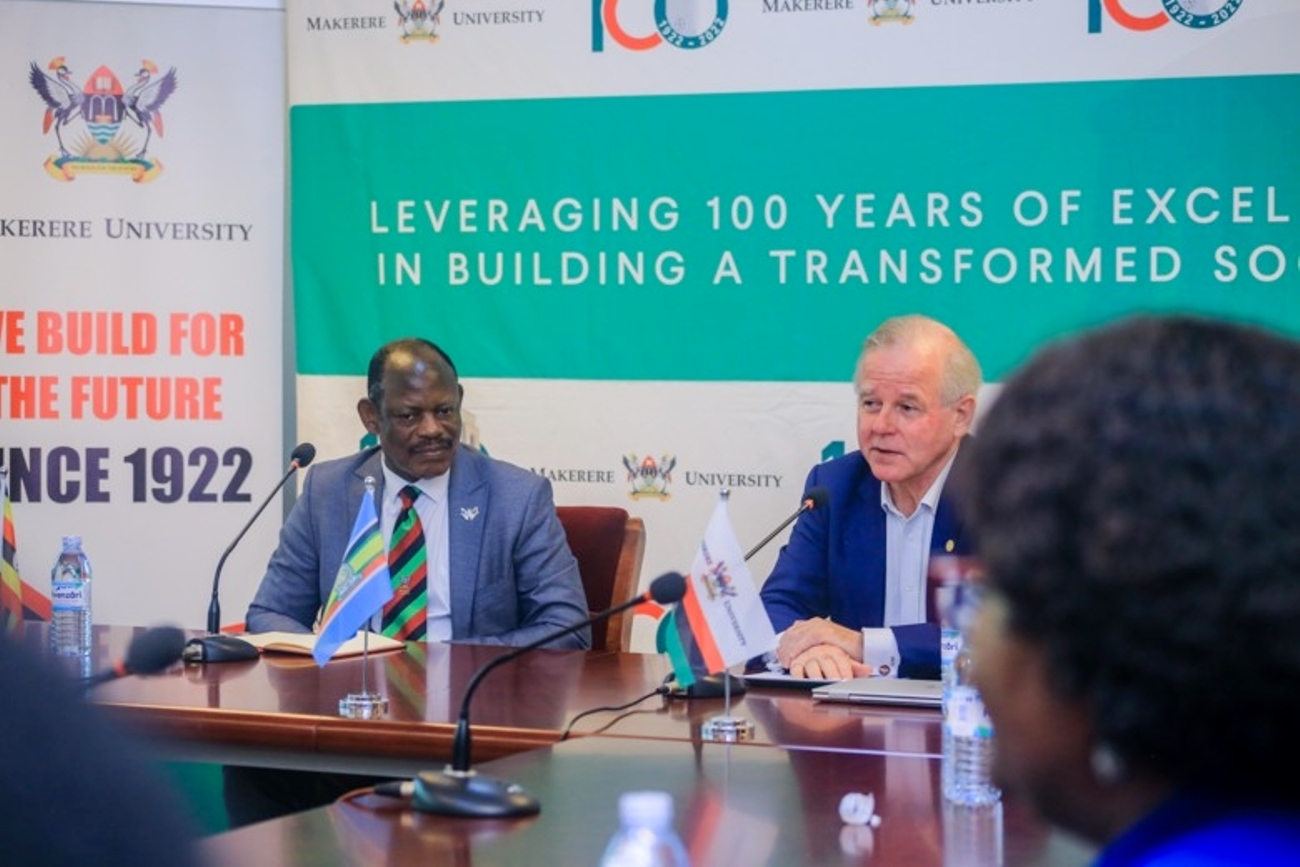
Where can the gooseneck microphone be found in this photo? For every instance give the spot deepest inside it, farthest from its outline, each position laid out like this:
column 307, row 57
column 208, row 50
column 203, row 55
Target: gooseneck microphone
column 223, row 648
column 817, row 498
column 458, row 790
column 150, row 652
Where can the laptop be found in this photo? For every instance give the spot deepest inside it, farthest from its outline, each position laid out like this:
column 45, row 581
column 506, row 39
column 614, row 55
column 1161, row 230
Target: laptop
column 883, row 690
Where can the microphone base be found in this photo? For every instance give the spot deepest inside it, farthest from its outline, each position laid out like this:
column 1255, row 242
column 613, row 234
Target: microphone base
column 708, row 686
column 470, row 795
column 219, row 648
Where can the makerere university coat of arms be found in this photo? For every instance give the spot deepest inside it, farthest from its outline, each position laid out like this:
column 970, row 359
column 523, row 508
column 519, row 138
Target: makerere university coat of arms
column 87, row 121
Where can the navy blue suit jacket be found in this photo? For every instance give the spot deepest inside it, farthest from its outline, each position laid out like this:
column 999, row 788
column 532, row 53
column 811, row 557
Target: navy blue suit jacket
column 834, row 564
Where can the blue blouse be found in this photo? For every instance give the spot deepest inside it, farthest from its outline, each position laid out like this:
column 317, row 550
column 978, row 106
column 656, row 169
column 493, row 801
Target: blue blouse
column 1194, row 829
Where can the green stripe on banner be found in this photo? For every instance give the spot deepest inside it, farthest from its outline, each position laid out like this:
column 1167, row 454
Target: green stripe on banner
column 924, row 186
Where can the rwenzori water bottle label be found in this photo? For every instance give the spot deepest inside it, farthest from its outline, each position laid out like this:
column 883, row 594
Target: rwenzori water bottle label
column 68, row 593
column 965, row 714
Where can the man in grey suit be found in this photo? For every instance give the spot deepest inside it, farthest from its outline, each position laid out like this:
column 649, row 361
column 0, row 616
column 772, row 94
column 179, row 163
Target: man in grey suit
column 503, row 575
column 495, row 566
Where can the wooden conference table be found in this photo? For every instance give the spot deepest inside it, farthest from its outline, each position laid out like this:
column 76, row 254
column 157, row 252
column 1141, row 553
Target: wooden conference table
column 772, row 800
column 282, row 710
column 735, row 805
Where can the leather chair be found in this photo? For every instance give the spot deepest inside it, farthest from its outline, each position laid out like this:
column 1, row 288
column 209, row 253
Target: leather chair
column 609, row 545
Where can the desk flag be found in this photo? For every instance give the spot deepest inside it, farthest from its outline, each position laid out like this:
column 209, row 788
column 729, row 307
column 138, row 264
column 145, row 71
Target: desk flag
column 11, row 585
column 720, row 621
column 362, row 586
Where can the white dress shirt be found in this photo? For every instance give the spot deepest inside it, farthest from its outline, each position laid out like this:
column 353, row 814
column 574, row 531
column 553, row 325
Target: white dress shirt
column 907, row 559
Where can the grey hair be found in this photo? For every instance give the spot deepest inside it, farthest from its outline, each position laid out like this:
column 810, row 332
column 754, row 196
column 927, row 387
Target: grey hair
column 961, row 371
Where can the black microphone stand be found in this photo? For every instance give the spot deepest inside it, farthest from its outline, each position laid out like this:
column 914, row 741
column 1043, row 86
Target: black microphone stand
column 150, row 652
column 814, row 498
column 458, row 790
column 214, row 607
column 779, row 527
column 725, row 684
column 215, row 647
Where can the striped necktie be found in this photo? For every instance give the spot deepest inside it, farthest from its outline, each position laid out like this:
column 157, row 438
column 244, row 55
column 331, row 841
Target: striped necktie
column 408, row 566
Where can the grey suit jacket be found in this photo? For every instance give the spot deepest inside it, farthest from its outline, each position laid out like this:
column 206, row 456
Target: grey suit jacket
column 513, row 578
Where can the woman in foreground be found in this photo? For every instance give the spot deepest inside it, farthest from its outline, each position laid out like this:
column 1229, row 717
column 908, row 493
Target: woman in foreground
column 1135, row 496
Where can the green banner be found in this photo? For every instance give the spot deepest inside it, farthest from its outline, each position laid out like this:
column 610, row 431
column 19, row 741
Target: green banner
column 761, row 236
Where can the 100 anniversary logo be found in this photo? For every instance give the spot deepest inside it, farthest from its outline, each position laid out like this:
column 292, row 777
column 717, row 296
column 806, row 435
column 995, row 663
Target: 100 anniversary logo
column 682, row 30
column 87, row 121
column 1196, row 14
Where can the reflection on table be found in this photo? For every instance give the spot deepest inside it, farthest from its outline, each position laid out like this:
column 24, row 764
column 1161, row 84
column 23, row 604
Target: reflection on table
column 736, row 805
column 282, row 711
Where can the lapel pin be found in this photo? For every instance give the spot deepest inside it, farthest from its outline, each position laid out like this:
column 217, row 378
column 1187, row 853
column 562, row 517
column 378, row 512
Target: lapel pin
column 469, row 513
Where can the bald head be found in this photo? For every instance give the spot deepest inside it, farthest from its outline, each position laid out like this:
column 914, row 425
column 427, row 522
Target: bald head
column 405, row 354
column 412, row 405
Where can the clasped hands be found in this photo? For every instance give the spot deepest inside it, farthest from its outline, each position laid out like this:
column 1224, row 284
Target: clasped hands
column 823, row 650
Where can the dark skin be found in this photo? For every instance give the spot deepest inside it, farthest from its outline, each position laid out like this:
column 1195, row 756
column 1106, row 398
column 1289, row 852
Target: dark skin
column 418, row 422
column 1043, row 740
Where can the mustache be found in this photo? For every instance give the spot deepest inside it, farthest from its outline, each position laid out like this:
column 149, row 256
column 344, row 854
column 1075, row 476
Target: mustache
column 433, row 442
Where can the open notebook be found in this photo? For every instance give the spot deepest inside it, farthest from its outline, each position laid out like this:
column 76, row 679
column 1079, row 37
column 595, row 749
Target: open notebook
column 882, row 690
column 301, row 643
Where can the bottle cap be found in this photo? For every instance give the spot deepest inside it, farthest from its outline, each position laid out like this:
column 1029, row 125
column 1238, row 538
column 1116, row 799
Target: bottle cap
column 71, row 543
column 649, row 809
column 857, row 808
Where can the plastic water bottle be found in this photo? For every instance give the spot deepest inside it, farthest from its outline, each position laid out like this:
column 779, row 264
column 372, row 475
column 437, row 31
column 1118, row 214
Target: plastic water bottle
column 966, row 773
column 70, row 600
column 949, row 644
column 645, row 837
column 967, row 740
column 972, row 835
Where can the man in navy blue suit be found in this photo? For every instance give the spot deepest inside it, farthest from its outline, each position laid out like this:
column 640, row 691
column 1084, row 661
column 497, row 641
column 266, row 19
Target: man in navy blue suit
column 848, row 592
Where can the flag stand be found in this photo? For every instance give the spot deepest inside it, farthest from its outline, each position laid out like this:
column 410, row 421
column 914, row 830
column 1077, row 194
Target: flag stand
column 364, row 704
column 726, row 728
column 361, row 588
column 714, row 566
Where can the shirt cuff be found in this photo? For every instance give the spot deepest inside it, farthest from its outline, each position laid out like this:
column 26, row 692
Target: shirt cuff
column 880, row 651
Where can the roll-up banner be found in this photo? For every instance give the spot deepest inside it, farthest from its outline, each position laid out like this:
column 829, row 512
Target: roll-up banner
column 141, row 325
